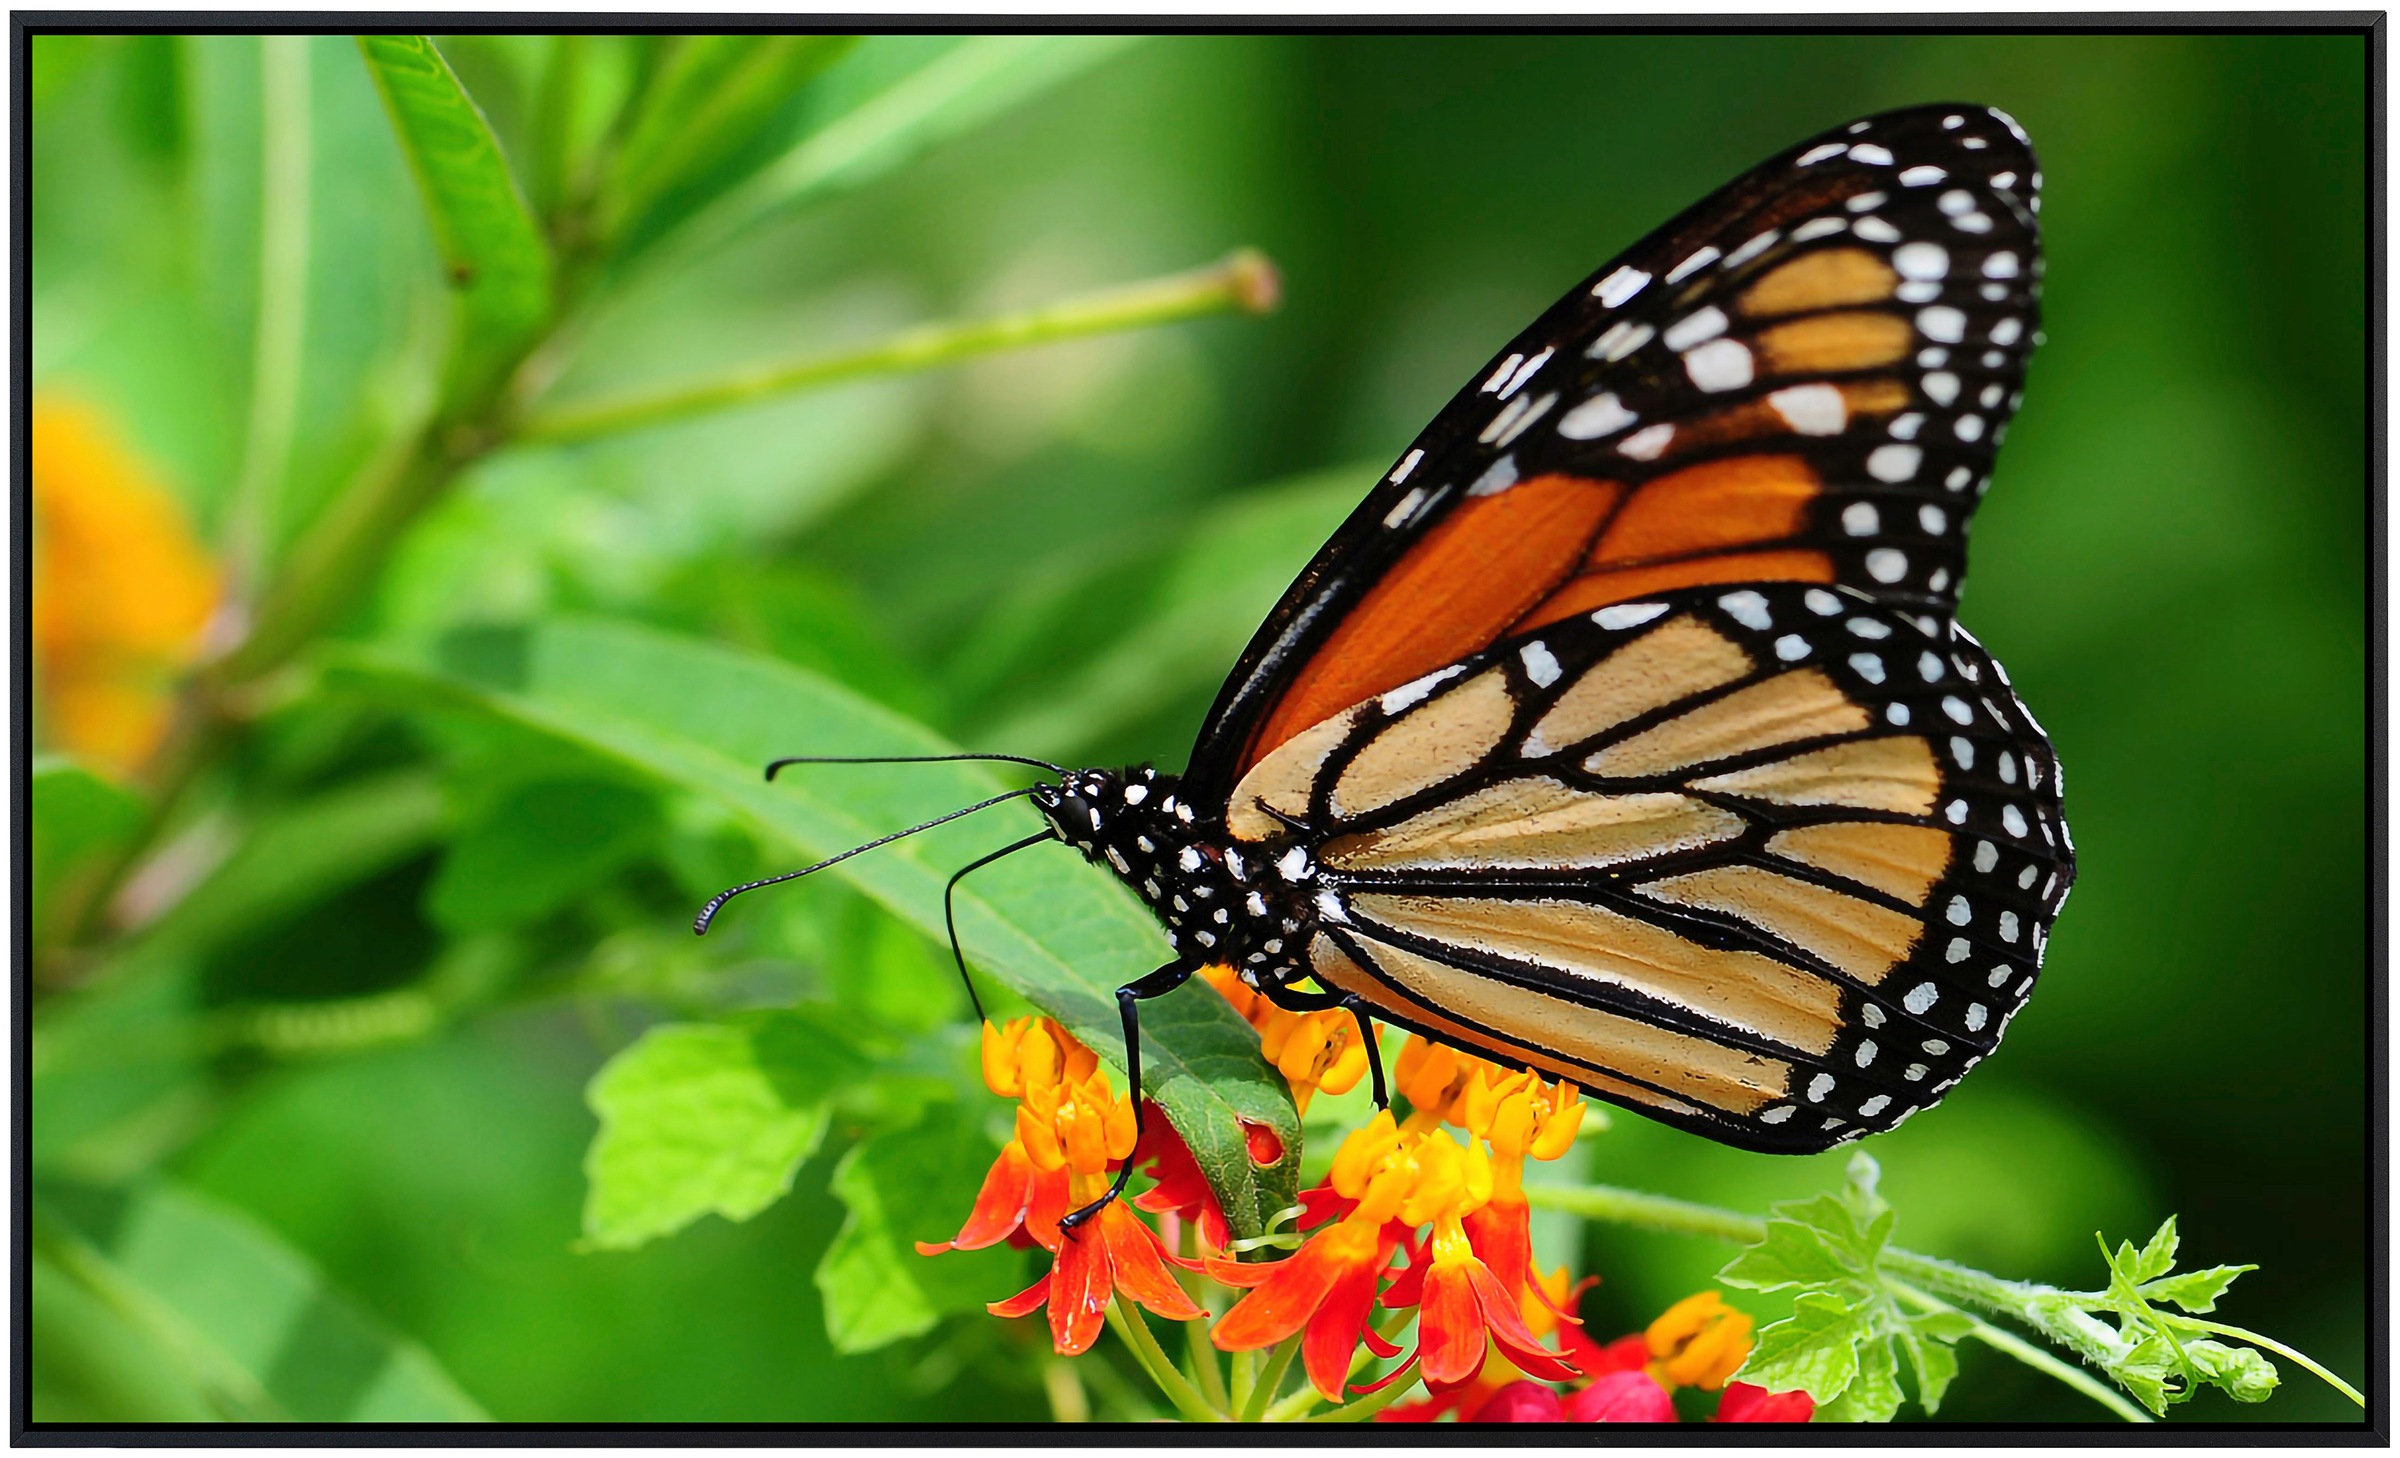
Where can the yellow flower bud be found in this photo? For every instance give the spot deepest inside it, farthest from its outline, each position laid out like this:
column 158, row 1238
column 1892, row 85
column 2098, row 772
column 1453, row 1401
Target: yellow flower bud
column 1698, row 1342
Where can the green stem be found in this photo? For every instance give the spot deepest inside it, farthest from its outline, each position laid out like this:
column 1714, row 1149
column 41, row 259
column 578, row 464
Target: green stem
column 1204, row 1366
column 1244, row 281
column 2024, row 1351
column 282, row 303
column 1648, row 1212
column 1245, row 1382
column 1263, row 1392
column 1135, row 1334
column 2278, row 1348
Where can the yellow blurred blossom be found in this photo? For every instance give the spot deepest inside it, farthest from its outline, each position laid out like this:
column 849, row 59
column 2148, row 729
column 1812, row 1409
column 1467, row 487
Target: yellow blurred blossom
column 121, row 591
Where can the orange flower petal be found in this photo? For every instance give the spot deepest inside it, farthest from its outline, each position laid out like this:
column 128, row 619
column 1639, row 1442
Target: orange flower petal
column 1334, row 1332
column 1134, row 1255
column 1079, row 1292
column 1450, row 1327
column 1027, row 1300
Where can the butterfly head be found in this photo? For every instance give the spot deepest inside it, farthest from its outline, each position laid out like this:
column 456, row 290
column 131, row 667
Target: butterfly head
column 1217, row 904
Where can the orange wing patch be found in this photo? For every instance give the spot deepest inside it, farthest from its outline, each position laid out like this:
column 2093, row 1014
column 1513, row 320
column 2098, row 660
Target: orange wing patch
column 1832, row 279
column 1467, row 583
column 1729, row 503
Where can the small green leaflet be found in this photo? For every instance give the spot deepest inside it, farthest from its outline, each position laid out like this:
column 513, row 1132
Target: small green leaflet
column 1843, row 1340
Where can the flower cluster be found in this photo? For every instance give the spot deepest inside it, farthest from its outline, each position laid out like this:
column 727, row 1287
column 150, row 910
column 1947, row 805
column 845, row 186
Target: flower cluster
column 1420, row 1220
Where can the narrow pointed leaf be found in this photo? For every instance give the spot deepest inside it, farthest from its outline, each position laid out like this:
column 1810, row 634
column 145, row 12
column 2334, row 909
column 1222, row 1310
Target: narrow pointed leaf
column 499, row 266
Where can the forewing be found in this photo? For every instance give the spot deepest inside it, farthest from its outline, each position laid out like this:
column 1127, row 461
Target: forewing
column 1802, row 378
column 1775, row 862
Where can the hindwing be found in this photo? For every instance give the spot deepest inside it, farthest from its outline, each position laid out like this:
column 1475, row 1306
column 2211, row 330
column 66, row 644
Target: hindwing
column 1775, row 861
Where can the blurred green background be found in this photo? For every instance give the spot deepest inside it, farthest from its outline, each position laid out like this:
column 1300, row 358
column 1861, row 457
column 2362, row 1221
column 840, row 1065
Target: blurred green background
column 338, row 1109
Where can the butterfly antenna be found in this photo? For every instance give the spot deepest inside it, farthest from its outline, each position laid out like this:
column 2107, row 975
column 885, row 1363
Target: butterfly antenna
column 950, row 915
column 775, row 765
column 708, row 913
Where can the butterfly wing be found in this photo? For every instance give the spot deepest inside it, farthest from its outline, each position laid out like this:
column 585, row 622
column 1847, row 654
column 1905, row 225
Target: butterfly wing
column 1775, row 863
column 1802, row 378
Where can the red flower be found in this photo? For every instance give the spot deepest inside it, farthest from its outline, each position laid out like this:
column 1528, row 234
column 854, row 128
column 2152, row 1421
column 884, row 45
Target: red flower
column 1113, row 1251
column 1621, row 1397
column 1744, row 1403
column 1328, row 1286
column 1463, row 1305
column 1520, row 1402
column 1019, row 1203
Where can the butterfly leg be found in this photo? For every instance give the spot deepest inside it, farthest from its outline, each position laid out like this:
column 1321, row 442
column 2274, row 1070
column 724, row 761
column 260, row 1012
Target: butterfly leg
column 1129, row 998
column 1291, row 999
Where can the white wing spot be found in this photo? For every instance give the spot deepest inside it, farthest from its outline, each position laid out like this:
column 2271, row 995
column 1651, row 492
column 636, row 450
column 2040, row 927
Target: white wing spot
column 1860, row 519
column 1619, row 340
column 1866, row 1052
column 1921, row 260
column 1921, row 998
column 1693, row 328
column 1820, row 152
column 1987, row 856
column 1619, row 286
column 1791, row 647
column 1649, row 443
column 1721, row 364
column 1871, row 154
column 1923, row 176
column 1943, row 323
column 1820, row 1086
column 1812, row 409
column 1601, row 415
column 1941, row 387
column 1693, row 264
column 1933, row 519
column 1407, row 464
column 1957, row 710
column 1887, row 565
column 1757, row 245
column 1867, row 666
column 1747, row 608
column 1624, row 615
column 1894, row 463
column 1496, row 478
column 1406, row 506
column 1816, row 228
column 1540, row 664
column 1824, row 604
column 1415, row 691
column 2012, row 820
column 1875, row 230
column 2000, row 265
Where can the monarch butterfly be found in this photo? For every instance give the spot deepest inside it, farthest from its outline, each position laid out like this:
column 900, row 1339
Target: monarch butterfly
column 1625, row 731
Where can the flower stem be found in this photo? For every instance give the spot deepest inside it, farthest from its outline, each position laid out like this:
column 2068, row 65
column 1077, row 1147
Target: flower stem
column 1262, row 1393
column 1649, row 1212
column 1205, row 1369
column 2278, row 1348
column 1243, row 281
column 2026, row 1352
column 1135, row 1333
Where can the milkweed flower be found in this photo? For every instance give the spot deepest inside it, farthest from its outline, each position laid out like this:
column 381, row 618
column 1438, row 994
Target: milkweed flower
column 1072, row 1131
column 1463, row 1309
column 1517, row 1115
column 1312, row 1050
column 1745, row 1403
column 1698, row 1342
column 1328, row 1285
column 121, row 590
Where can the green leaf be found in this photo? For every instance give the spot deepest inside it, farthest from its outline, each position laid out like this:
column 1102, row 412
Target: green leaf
column 74, row 814
column 1874, row 1396
column 498, row 264
column 1059, row 932
column 900, row 1188
column 699, row 1119
column 1929, row 1339
column 960, row 90
column 1816, row 1349
column 2158, row 1257
column 2194, row 1291
column 249, row 1320
column 1809, row 1242
column 536, row 849
column 711, row 95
